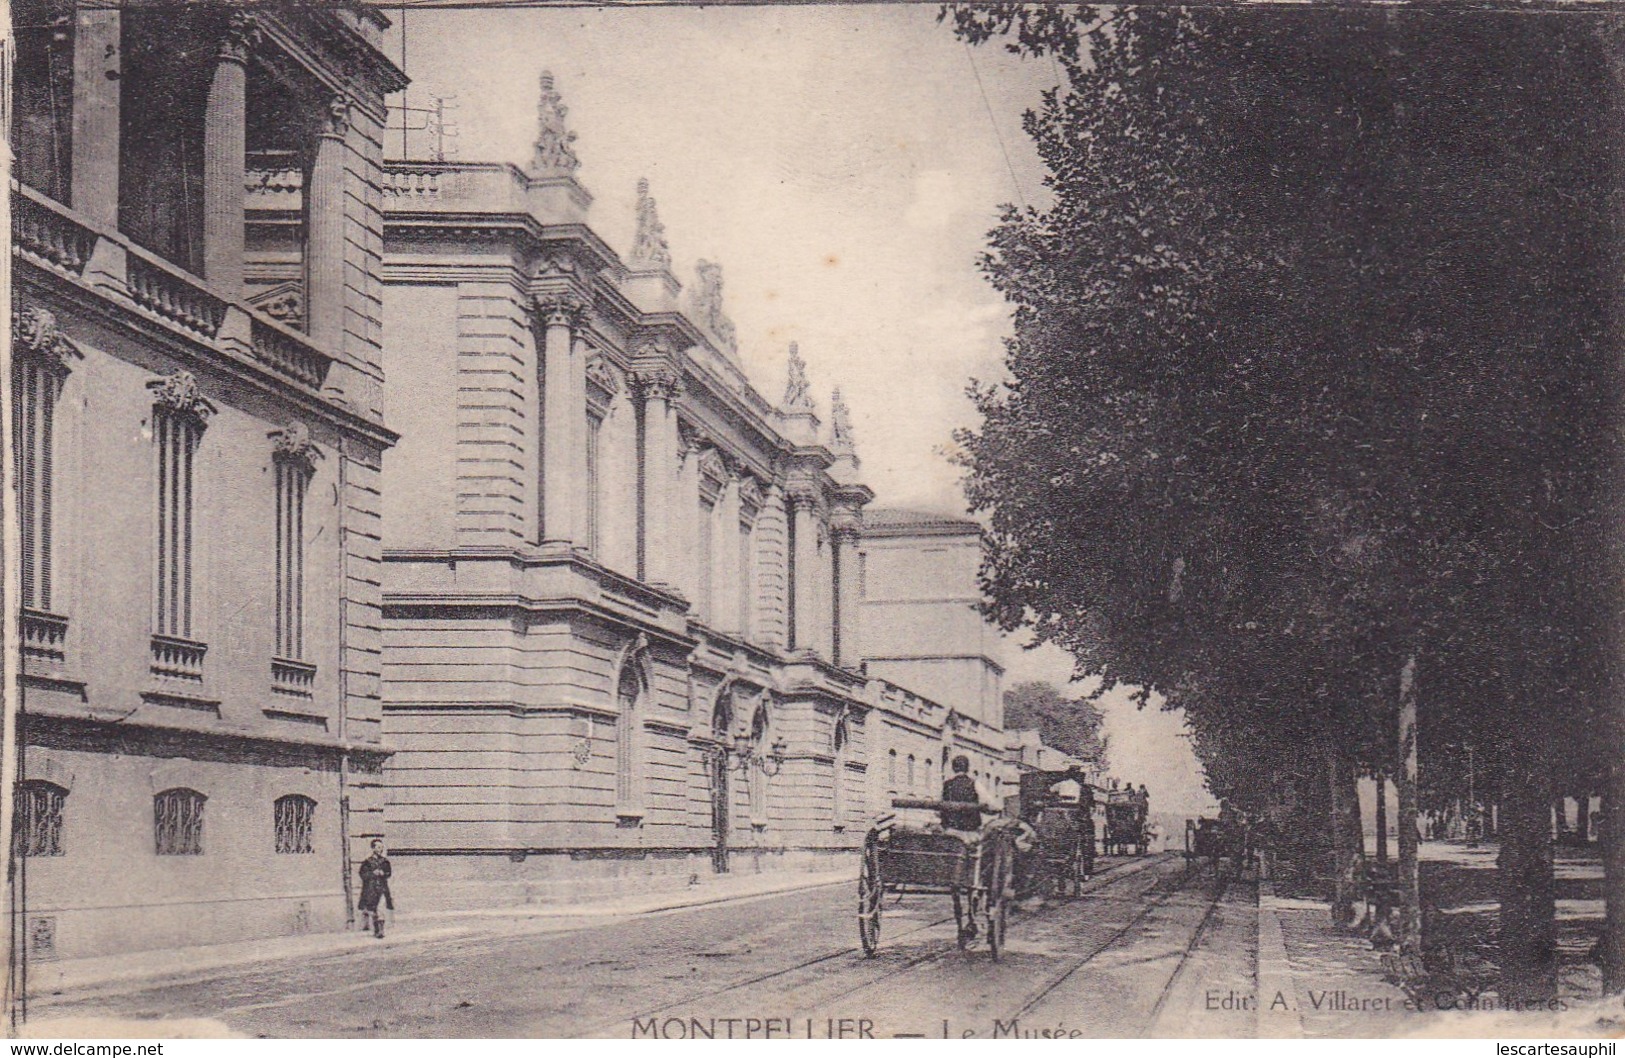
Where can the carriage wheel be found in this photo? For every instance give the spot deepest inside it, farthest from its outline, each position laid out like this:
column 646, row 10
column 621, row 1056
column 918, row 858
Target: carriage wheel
column 998, row 887
column 870, row 890
column 960, row 920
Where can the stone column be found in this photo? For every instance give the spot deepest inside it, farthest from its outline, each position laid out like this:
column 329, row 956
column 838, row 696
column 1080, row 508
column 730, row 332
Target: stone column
column 657, row 386
column 804, row 571
column 848, row 645
column 563, row 457
column 772, row 573
column 97, row 68
column 224, row 142
column 324, row 227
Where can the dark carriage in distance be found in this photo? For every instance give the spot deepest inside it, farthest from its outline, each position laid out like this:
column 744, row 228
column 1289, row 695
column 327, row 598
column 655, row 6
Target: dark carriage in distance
column 1126, row 824
column 1064, row 854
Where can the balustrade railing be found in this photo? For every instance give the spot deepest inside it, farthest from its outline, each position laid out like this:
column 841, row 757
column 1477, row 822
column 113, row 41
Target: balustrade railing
column 44, row 635
column 412, row 183
column 281, row 350
column 296, row 679
column 174, row 295
column 177, row 658
column 49, row 235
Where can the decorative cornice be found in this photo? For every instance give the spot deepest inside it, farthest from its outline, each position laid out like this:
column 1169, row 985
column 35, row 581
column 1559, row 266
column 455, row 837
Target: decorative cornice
column 241, row 37
column 563, row 309
column 35, row 337
column 292, row 445
column 553, row 156
column 803, row 494
column 179, row 394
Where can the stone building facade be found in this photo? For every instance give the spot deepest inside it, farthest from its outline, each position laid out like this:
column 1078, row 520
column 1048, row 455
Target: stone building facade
column 199, row 508
column 622, row 587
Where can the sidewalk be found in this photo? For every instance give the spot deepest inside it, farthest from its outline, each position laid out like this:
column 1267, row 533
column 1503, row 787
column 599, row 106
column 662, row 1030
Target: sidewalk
column 55, row 978
column 1332, row 983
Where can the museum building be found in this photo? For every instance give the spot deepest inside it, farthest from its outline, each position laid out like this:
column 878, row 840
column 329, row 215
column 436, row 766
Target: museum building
column 197, row 476
column 622, row 588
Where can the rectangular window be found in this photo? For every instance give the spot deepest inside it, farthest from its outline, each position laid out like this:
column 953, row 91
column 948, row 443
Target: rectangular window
column 747, row 575
column 37, row 821
column 293, row 815
column 292, row 481
column 33, row 409
column 177, row 817
column 176, row 436
column 705, row 556
column 595, row 429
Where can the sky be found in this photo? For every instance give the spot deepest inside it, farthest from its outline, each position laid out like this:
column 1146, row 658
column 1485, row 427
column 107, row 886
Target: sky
column 844, row 164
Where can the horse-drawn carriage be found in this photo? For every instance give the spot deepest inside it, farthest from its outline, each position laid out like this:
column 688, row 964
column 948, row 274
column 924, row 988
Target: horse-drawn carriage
column 1126, row 826
column 975, row 870
column 1217, row 841
column 1063, row 857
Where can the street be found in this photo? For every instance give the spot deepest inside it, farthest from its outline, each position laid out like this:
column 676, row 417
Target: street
column 1147, row 949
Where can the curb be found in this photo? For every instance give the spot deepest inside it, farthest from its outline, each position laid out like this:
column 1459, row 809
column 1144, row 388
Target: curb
column 55, row 982
column 1275, row 973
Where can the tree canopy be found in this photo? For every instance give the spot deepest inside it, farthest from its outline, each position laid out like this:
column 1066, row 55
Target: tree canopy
column 1071, row 725
column 1312, row 374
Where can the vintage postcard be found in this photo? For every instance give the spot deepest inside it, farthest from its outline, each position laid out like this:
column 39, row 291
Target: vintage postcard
column 769, row 521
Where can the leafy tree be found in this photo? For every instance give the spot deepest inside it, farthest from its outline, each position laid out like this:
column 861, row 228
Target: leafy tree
column 1309, row 352
column 1071, row 725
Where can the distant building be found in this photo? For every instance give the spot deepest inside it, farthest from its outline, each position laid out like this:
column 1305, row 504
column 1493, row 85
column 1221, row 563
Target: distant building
column 198, row 473
column 920, row 597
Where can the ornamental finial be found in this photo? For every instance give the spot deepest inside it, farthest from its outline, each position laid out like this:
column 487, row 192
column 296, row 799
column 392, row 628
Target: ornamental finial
column 708, row 305
column 553, row 155
column 796, row 392
column 649, row 249
column 840, row 425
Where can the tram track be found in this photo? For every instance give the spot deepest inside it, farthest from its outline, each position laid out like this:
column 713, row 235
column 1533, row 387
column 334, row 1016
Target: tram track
column 1100, row 880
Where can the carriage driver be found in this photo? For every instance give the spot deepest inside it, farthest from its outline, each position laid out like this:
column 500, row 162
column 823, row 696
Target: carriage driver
column 961, row 788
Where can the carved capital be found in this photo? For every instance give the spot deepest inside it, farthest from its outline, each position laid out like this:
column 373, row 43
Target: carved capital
column 845, row 524
column 562, row 309
column 241, row 37
column 803, row 495
column 292, row 445
column 690, row 438
column 336, row 118
column 178, row 394
column 657, row 381
column 35, row 337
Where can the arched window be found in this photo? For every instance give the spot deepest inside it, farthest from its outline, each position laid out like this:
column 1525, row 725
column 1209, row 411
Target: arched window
column 292, row 818
column 37, row 818
column 840, row 744
column 911, row 787
column 930, row 788
column 177, row 820
column 891, row 771
column 761, row 742
column 628, row 691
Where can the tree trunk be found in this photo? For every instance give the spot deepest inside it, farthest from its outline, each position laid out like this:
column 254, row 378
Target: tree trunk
column 1410, row 889
column 1348, row 839
column 1582, row 817
column 1560, row 816
column 1382, row 817
column 1609, row 834
column 1524, row 877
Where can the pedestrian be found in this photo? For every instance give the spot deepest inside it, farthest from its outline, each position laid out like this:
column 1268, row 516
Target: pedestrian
column 375, row 872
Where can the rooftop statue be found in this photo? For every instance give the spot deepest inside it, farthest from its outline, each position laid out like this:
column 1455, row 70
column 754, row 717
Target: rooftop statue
column 708, row 305
column 554, row 156
column 840, row 425
column 649, row 249
column 797, row 396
